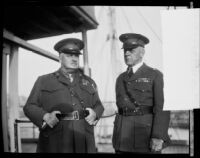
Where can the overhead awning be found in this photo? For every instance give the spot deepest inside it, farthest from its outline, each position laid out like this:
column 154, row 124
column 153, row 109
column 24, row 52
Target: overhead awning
column 33, row 22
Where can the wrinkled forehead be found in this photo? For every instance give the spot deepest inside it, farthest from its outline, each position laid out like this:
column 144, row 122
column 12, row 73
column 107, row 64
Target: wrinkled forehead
column 68, row 55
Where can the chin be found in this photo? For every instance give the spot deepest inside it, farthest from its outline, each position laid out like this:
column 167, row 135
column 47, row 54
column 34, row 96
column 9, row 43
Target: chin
column 73, row 67
column 129, row 63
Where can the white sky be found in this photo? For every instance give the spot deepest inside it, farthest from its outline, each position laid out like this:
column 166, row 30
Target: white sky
column 143, row 20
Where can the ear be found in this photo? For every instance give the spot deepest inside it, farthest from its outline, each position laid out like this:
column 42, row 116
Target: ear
column 60, row 57
column 142, row 51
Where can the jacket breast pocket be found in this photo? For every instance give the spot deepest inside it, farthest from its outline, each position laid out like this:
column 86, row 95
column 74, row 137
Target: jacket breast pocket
column 51, row 96
column 143, row 87
column 142, row 134
column 52, row 89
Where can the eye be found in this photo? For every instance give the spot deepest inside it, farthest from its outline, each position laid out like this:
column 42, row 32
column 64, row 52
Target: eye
column 68, row 55
column 76, row 55
column 125, row 50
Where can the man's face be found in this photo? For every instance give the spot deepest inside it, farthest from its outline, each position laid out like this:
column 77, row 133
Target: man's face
column 69, row 61
column 133, row 56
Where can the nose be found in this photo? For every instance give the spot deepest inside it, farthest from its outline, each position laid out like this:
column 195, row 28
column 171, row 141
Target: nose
column 127, row 52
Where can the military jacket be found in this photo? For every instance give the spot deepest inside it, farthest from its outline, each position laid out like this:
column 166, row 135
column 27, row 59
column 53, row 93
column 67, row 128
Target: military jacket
column 133, row 133
column 71, row 136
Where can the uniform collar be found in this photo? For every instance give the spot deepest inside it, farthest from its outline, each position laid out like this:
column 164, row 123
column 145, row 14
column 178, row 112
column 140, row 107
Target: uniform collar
column 141, row 68
column 137, row 66
column 60, row 76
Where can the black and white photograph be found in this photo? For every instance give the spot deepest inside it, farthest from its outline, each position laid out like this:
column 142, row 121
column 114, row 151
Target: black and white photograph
column 100, row 79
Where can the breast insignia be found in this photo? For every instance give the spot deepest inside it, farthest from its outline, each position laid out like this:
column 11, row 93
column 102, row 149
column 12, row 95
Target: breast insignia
column 143, row 80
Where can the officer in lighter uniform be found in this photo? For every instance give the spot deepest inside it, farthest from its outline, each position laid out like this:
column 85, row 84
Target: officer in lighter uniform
column 65, row 104
column 141, row 125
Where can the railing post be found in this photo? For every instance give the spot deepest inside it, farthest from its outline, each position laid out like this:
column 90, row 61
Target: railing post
column 16, row 136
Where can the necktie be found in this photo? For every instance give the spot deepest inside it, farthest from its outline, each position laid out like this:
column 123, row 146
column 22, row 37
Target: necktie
column 69, row 76
column 130, row 71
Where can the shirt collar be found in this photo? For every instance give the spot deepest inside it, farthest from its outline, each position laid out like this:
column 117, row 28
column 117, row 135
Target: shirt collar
column 137, row 66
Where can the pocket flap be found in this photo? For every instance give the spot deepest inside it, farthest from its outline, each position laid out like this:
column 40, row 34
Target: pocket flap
column 52, row 88
column 88, row 88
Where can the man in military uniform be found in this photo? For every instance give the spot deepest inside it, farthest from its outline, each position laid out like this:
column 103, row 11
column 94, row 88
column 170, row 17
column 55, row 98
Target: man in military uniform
column 141, row 125
column 65, row 104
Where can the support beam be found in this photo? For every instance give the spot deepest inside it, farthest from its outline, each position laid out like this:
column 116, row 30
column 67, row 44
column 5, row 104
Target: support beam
column 53, row 18
column 13, row 97
column 84, row 15
column 4, row 98
column 9, row 36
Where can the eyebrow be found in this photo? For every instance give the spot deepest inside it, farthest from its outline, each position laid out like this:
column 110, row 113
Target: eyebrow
column 72, row 55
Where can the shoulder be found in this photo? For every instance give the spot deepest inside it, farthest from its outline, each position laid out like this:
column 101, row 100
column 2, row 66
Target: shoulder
column 154, row 71
column 121, row 76
column 88, row 83
column 89, row 79
column 45, row 78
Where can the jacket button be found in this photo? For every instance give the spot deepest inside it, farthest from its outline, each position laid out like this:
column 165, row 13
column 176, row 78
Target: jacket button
column 74, row 104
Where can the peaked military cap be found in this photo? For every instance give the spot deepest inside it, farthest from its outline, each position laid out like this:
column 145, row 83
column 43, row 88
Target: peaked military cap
column 69, row 46
column 133, row 40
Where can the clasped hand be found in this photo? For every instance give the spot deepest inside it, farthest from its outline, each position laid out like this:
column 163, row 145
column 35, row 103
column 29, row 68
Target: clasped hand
column 91, row 118
column 156, row 144
column 51, row 119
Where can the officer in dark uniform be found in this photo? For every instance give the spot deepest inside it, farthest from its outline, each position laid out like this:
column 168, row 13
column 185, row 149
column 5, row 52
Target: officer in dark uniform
column 141, row 125
column 65, row 104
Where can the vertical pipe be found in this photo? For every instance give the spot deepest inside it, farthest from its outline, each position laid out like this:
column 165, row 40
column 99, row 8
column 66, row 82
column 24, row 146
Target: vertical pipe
column 191, row 118
column 85, row 53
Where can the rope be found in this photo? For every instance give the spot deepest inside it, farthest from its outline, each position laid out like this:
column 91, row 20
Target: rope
column 126, row 19
column 108, row 115
column 148, row 25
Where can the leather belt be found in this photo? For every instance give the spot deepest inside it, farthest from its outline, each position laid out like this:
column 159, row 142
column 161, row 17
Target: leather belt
column 75, row 115
column 125, row 111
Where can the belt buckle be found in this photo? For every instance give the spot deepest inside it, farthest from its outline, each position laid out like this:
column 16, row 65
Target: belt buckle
column 125, row 111
column 138, row 111
column 75, row 115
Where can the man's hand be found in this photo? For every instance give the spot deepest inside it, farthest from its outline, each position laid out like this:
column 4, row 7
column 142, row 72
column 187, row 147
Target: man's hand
column 156, row 144
column 51, row 119
column 91, row 118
